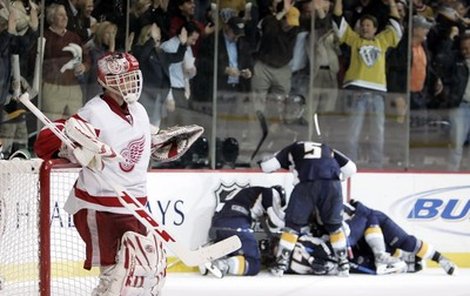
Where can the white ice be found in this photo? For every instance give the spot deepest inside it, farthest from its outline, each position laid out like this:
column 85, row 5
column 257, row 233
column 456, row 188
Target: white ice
column 430, row 282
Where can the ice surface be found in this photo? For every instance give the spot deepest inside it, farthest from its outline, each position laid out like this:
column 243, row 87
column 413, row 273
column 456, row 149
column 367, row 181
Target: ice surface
column 430, row 282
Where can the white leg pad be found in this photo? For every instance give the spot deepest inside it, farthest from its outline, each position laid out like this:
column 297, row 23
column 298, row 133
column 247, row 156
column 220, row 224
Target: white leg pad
column 140, row 269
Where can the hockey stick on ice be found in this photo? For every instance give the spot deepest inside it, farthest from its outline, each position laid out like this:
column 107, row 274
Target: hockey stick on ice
column 189, row 257
column 361, row 269
column 264, row 130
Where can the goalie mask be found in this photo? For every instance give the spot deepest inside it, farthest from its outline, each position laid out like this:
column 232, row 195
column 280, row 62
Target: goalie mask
column 120, row 74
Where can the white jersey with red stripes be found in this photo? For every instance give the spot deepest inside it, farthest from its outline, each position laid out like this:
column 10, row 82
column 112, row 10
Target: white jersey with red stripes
column 129, row 135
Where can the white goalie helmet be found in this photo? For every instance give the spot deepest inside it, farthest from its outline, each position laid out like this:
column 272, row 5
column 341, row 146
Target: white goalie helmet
column 119, row 73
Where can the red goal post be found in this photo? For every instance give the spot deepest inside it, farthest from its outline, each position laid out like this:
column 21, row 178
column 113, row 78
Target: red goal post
column 40, row 250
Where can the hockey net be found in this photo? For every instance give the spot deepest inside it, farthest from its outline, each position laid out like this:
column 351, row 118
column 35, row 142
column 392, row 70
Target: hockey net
column 40, row 250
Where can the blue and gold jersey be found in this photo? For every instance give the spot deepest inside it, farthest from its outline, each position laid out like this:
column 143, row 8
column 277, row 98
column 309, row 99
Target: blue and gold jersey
column 247, row 200
column 312, row 161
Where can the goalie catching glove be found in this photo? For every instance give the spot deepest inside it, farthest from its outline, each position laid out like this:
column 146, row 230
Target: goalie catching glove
column 90, row 151
column 171, row 143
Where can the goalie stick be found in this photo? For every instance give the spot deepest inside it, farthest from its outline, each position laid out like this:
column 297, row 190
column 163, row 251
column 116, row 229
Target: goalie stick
column 187, row 256
column 264, row 130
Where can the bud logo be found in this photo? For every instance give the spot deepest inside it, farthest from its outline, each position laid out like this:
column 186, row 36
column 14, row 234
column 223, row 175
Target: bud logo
column 443, row 209
column 426, row 208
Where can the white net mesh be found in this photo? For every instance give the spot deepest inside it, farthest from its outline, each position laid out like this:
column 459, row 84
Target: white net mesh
column 19, row 235
column 20, row 252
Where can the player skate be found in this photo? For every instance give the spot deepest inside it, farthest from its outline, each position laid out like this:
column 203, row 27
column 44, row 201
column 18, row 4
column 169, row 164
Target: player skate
column 284, row 252
column 282, row 263
column 386, row 264
column 427, row 251
column 449, row 266
column 343, row 263
column 219, row 268
column 233, row 265
column 413, row 263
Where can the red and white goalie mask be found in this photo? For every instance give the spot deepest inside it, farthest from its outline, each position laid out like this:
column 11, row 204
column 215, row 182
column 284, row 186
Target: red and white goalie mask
column 119, row 72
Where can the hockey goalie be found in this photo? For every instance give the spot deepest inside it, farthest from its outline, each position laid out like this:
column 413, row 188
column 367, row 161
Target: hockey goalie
column 113, row 136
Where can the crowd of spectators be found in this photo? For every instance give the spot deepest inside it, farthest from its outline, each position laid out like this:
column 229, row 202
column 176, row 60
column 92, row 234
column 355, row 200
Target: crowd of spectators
column 267, row 51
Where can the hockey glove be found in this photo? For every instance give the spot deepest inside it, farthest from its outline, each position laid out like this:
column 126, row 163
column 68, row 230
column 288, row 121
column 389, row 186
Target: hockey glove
column 90, row 151
column 171, row 143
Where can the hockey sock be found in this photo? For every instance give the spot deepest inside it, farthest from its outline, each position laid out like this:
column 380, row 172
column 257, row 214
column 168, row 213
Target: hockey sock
column 436, row 257
column 285, row 248
column 287, row 242
column 338, row 240
column 237, row 265
column 426, row 251
column 375, row 239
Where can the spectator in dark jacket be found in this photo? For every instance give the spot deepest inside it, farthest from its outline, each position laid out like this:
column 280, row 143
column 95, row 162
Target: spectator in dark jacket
column 11, row 43
column 103, row 41
column 155, row 64
column 272, row 74
column 458, row 100
column 234, row 63
column 12, row 118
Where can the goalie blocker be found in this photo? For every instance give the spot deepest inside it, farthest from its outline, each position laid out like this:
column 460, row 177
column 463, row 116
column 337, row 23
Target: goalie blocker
column 89, row 150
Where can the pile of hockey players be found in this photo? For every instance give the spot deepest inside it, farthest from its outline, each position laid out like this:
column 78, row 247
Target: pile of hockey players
column 376, row 244
column 313, row 236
